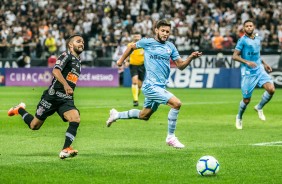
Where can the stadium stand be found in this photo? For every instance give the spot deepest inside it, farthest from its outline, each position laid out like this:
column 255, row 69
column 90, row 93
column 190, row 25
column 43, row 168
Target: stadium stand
column 196, row 24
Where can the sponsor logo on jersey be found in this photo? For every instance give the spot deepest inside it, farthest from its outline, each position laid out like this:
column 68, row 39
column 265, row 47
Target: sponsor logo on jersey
column 72, row 77
column 159, row 57
column 58, row 62
column 168, row 50
column 40, row 111
column 51, row 91
column 62, row 95
column 46, row 104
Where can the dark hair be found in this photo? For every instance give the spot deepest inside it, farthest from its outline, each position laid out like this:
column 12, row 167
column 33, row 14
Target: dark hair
column 162, row 22
column 136, row 33
column 249, row 20
column 70, row 38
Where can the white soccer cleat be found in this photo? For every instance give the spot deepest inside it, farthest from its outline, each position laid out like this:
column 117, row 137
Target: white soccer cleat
column 68, row 153
column 260, row 113
column 174, row 142
column 239, row 123
column 113, row 117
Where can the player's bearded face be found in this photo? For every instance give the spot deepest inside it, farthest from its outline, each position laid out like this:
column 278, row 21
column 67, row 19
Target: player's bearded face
column 249, row 28
column 162, row 33
column 78, row 45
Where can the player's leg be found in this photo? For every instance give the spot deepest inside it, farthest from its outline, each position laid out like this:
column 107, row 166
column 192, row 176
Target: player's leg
column 267, row 83
column 32, row 122
column 248, row 85
column 69, row 113
column 150, row 107
column 141, row 77
column 135, row 90
column 171, row 139
column 143, row 114
column 134, row 85
column 267, row 95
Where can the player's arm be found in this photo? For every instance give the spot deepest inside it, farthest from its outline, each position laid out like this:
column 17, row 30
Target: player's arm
column 182, row 64
column 237, row 57
column 58, row 75
column 126, row 53
column 266, row 66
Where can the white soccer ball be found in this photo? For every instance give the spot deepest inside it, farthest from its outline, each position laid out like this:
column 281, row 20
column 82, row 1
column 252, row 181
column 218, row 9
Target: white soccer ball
column 207, row 166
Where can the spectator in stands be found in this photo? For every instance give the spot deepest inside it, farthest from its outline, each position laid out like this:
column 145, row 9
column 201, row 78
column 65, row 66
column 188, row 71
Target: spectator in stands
column 24, row 61
column 195, row 40
column 3, row 47
column 117, row 54
column 17, row 43
column 206, row 16
column 50, row 44
column 217, row 41
column 219, row 63
column 61, row 43
column 205, row 43
column 273, row 43
column 227, row 41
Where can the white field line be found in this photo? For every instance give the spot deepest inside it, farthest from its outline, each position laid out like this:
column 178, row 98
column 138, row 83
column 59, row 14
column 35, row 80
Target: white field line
column 278, row 143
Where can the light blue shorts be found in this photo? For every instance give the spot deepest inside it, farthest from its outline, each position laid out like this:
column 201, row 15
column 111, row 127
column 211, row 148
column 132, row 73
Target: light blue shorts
column 155, row 95
column 249, row 82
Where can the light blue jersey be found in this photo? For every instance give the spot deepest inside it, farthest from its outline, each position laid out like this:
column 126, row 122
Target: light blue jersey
column 157, row 60
column 157, row 65
column 250, row 50
column 251, row 77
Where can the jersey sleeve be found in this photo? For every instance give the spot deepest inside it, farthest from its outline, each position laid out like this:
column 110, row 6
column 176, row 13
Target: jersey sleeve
column 62, row 61
column 141, row 43
column 174, row 53
column 240, row 44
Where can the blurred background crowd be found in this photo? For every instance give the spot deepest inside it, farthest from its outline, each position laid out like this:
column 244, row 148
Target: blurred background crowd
column 39, row 28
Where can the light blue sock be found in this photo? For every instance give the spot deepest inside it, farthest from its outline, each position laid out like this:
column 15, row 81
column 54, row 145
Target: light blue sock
column 172, row 118
column 266, row 97
column 133, row 113
column 242, row 108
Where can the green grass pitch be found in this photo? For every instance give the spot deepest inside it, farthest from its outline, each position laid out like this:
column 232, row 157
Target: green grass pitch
column 134, row 151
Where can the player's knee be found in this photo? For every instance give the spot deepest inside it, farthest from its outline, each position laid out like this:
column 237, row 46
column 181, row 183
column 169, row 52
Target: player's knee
column 74, row 119
column 177, row 105
column 34, row 127
column 271, row 90
column 146, row 118
column 35, row 124
column 247, row 101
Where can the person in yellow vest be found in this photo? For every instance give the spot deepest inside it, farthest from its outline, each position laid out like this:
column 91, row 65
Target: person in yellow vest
column 137, row 69
column 51, row 45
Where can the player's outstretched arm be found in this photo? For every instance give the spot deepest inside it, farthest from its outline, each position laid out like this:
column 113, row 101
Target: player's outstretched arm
column 182, row 64
column 126, row 53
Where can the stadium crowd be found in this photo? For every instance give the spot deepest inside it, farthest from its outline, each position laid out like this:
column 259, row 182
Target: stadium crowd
column 38, row 28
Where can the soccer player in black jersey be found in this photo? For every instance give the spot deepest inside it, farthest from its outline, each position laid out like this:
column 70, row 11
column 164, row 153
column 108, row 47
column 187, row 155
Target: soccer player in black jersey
column 59, row 96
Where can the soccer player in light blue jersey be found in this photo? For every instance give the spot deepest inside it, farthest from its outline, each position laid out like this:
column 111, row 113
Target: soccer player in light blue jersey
column 158, row 52
column 253, row 71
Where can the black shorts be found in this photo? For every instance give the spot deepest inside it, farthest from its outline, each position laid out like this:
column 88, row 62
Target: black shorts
column 137, row 70
column 54, row 102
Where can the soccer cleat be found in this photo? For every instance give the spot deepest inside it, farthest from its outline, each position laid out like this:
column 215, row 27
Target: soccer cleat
column 239, row 123
column 68, row 153
column 260, row 113
column 15, row 110
column 113, row 117
column 135, row 103
column 174, row 142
